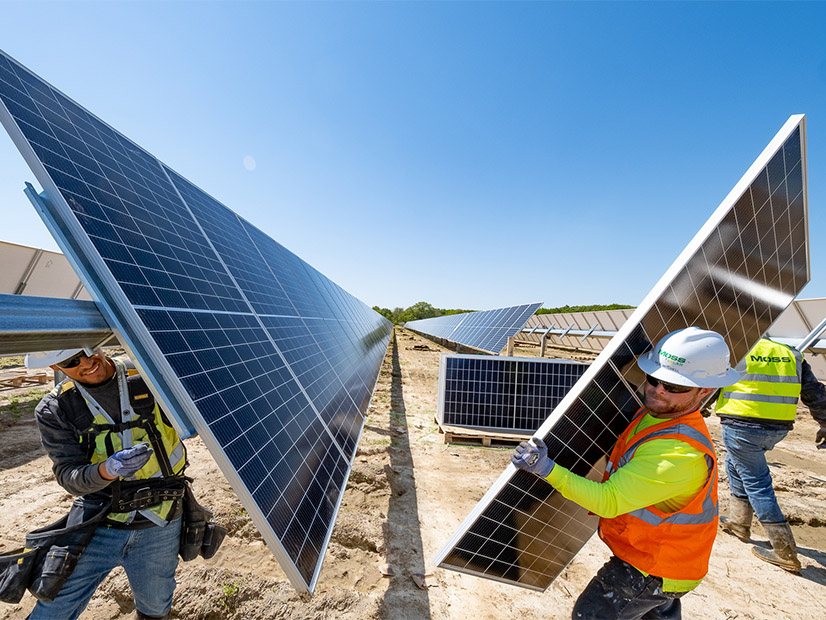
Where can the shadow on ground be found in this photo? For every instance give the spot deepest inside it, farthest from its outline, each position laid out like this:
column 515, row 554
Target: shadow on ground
column 405, row 552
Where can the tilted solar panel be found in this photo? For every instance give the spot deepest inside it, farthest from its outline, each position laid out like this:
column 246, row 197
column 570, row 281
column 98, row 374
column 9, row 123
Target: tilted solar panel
column 502, row 393
column 267, row 359
column 736, row 277
column 488, row 330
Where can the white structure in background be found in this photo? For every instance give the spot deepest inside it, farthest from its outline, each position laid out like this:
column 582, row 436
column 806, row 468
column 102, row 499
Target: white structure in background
column 591, row 331
column 38, row 273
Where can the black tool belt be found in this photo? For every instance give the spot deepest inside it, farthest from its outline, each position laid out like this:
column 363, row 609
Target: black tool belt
column 142, row 494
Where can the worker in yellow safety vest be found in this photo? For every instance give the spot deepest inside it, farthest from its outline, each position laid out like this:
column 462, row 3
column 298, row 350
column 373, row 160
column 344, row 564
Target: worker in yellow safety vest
column 756, row 413
column 110, row 442
column 657, row 501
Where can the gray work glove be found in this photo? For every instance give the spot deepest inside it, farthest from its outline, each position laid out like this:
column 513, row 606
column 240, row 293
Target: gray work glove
column 126, row 462
column 820, row 438
column 533, row 458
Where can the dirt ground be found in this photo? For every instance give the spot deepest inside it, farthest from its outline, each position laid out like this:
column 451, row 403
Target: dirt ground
column 407, row 493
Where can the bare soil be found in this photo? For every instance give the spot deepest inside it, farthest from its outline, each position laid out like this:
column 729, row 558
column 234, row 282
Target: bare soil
column 407, row 493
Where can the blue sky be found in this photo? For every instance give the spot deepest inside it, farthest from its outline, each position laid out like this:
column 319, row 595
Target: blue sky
column 471, row 155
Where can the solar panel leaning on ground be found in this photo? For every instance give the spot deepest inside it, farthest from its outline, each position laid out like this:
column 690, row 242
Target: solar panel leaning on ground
column 736, row 276
column 502, row 393
column 487, row 330
column 272, row 363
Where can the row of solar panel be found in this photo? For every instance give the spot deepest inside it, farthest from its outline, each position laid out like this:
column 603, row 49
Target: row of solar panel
column 271, row 362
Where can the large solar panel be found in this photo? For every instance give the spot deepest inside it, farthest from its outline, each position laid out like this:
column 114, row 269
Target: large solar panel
column 736, row 276
column 502, row 393
column 242, row 341
column 488, row 330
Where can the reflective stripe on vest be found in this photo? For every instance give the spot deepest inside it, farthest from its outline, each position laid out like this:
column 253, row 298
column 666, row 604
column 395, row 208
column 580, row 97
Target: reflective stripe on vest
column 107, row 442
column 674, row 545
column 770, row 386
column 709, row 512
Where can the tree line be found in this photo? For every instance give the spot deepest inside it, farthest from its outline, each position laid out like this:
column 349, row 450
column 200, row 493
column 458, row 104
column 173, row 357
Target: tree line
column 424, row 310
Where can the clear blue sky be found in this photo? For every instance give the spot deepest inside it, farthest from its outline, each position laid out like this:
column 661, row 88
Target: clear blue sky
column 471, row 155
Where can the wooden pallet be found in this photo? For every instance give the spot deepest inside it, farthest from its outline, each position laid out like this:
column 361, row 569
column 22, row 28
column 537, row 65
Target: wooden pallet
column 22, row 379
column 479, row 437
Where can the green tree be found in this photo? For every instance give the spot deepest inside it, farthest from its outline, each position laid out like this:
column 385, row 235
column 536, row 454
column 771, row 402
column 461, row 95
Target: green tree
column 591, row 308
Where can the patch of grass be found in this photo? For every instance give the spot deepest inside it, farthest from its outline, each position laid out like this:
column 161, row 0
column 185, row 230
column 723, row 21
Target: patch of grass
column 229, row 595
column 11, row 362
column 17, row 406
column 377, row 442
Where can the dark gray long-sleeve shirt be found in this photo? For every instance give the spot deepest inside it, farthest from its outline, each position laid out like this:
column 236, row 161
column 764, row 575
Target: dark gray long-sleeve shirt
column 61, row 438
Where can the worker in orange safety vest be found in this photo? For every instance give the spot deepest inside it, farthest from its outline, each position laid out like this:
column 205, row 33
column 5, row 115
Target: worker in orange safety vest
column 657, row 501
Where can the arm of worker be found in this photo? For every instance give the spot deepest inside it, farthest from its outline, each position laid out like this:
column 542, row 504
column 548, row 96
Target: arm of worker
column 813, row 395
column 665, row 473
column 69, row 463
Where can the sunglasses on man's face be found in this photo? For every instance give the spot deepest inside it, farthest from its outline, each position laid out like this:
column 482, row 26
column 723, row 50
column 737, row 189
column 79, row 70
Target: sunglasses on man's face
column 73, row 361
column 668, row 387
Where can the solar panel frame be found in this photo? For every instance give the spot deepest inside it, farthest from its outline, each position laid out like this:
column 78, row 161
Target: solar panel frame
column 487, row 330
column 216, row 299
column 514, row 392
column 522, row 531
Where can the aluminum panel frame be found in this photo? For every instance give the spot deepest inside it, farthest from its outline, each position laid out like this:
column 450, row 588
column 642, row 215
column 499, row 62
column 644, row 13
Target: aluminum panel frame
column 522, row 531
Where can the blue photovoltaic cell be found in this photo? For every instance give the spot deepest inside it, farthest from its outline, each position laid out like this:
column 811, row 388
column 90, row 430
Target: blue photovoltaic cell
column 502, row 393
column 271, row 362
column 488, row 330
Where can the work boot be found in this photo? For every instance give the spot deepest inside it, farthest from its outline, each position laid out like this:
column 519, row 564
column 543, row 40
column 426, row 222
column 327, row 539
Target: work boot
column 738, row 522
column 142, row 616
column 784, row 551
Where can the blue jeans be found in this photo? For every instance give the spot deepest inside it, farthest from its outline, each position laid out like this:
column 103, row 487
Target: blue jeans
column 148, row 556
column 748, row 472
column 621, row 592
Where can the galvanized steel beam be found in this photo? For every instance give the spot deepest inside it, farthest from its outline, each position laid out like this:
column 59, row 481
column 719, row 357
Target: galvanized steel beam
column 44, row 323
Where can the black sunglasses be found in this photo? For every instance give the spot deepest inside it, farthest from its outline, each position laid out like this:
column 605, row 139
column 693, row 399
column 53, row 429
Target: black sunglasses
column 73, row 361
column 668, row 387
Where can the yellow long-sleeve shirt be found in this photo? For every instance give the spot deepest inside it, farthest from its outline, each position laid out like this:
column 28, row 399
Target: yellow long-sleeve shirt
column 664, row 473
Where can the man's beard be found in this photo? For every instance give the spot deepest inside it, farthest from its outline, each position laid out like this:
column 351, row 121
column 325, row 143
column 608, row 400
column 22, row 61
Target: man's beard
column 666, row 409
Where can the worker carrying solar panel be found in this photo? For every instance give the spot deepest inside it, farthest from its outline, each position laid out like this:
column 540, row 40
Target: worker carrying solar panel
column 657, row 501
column 111, row 444
column 757, row 413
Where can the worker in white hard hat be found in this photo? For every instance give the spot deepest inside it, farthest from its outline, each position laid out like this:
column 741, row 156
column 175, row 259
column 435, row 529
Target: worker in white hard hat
column 110, row 442
column 657, row 501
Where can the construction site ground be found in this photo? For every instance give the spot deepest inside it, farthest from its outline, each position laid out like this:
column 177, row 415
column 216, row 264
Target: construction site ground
column 407, row 493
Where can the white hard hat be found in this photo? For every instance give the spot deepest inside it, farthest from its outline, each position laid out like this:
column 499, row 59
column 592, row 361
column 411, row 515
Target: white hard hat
column 43, row 359
column 692, row 357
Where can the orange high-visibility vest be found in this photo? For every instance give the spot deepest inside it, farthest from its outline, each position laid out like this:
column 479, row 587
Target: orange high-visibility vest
column 674, row 545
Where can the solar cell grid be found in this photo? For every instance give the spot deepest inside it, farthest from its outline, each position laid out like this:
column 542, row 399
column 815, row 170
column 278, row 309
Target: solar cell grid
column 487, row 330
column 272, row 363
column 736, row 277
column 502, row 393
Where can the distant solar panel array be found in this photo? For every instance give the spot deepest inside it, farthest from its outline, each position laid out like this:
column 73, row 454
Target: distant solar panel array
column 736, row 277
column 502, row 393
column 487, row 330
column 268, row 360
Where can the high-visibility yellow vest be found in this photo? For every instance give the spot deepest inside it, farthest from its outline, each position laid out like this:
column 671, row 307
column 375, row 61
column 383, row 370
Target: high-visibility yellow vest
column 769, row 387
column 102, row 440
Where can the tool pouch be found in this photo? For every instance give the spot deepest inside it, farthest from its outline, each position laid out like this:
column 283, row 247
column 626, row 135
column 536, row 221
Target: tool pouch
column 200, row 535
column 57, row 548
column 15, row 568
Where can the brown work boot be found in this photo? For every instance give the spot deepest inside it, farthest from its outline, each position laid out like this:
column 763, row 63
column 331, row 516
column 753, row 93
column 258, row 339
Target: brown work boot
column 739, row 518
column 784, row 551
